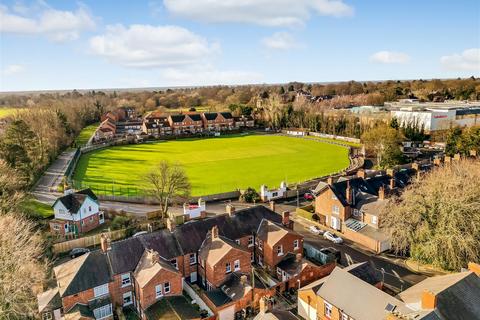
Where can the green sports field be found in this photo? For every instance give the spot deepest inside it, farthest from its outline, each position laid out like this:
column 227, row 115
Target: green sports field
column 213, row 165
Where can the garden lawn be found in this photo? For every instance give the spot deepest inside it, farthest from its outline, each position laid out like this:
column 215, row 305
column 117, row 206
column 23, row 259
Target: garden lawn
column 36, row 208
column 85, row 134
column 213, row 165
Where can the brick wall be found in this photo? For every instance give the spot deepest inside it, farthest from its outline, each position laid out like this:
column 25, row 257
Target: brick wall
column 117, row 291
column 324, row 203
column 82, row 297
column 216, row 274
column 147, row 295
column 270, row 256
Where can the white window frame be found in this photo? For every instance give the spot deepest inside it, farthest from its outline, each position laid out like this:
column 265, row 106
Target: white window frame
column 47, row 315
column 328, row 309
column 56, row 227
column 103, row 312
column 280, row 250
column 158, row 291
column 126, row 280
column 228, row 267
column 100, row 290
column 279, row 272
column 260, row 245
column 236, row 265
column 335, row 209
column 127, row 294
column 174, row 263
column 165, row 286
column 296, row 244
column 237, row 241
column 250, row 241
column 374, row 219
column 193, row 258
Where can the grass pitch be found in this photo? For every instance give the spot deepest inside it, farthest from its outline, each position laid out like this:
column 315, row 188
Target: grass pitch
column 213, row 165
column 85, row 134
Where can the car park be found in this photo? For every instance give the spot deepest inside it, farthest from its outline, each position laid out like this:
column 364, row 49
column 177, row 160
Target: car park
column 332, row 237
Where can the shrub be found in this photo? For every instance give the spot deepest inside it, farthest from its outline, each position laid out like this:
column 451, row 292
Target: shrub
column 249, row 196
column 120, row 222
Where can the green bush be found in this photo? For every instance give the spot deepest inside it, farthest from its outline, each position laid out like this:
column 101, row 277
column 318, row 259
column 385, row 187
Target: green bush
column 119, row 222
column 249, row 196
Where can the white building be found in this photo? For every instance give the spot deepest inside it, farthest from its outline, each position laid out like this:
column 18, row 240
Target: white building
column 197, row 210
column 436, row 116
column 267, row 195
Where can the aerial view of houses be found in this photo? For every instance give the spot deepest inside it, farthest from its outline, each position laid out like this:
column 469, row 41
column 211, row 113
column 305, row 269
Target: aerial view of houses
column 239, row 160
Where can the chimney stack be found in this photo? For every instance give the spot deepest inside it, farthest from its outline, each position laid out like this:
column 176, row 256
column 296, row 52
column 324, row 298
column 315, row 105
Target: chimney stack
column 170, row 224
column 263, row 305
column 415, row 166
column 381, row 193
column 298, row 257
column 155, row 256
column 230, row 209
column 349, row 193
column 214, row 232
column 272, row 205
column 330, row 180
column 429, row 300
column 286, row 218
column 243, row 280
column 361, row 173
column 104, row 242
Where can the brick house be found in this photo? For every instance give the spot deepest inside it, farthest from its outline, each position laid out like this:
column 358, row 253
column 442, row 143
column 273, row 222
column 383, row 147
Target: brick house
column 106, row 130
column 218, row 121
column 156, row 125
column 76, row 213
column 186, row 123
column 219, row 257
column 154, row 279
column 244, row 122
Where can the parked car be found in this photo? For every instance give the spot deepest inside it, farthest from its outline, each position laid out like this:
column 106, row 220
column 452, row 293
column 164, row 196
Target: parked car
column 139, row 233
column 77, row 252
column 332, row 237
column 308, row 196
column 315, row 230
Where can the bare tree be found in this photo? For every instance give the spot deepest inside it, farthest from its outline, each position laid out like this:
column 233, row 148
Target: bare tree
column 11, row 186
column 437, row 219
column 168, row 181
column 21, row 274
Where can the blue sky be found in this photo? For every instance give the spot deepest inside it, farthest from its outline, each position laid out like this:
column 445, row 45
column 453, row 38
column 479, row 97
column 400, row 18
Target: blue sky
column 113, row 44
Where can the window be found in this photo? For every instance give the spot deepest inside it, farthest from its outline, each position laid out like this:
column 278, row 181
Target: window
column 260, row 244
column 193, row 258
column 127, row 298
column 158, row 291
column 228, row 268
column 236, row 265
column 250, row 241
column 174, row 263
column 91, row 219
column 328, row 309
column 126, row 281
column 274, row 194
column 279, row 272
column 56, row 227
column 66, row 226
column 280, row 250
column 356, row 212
column 103, row 312
column 100, row 290
column 47, row 316
column 374, row 219
column 295, row 244
column 237, row 241
column 335, row 209
column 166, row 287
column 89, row 208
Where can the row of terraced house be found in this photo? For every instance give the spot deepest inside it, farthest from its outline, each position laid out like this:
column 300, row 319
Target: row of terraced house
column 229, row 261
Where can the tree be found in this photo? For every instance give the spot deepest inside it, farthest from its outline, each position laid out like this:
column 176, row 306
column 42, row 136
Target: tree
column 249, row 195
column 436, row 220
column 383, row 142
column 168, row 181
column 11, row 186
column 21, row 274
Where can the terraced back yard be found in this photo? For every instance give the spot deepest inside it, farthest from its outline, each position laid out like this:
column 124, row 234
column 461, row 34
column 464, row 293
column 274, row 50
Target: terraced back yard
column 213, row 165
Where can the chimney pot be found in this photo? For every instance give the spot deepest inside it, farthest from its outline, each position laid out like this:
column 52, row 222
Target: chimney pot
column 214, row 232
column 429, row 300
column 349, row 193
column 381, row 193
column 243, row 279
column 286, row 218
column 105, row 242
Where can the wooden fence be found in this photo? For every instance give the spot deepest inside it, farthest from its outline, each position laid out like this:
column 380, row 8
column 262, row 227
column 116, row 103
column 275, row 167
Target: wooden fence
column 87, row 241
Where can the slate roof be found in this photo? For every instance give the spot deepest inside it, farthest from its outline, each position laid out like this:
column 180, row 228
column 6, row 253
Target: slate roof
column 125, row 254
column 195, row 117
column 218, row 297
column 177, row 118
column 74, row 201
column 365, row 271
column 82, row 273
column 210, row 115
column 369, row 204
column 227, row 115
column 458, row 295
column 163, row 242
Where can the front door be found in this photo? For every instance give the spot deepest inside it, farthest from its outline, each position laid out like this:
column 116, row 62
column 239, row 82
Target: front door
column 193, row 277
column 101, row 217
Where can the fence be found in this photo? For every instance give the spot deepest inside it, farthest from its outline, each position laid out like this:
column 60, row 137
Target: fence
column 331, row 136
column 86, row 241
column 72, row 164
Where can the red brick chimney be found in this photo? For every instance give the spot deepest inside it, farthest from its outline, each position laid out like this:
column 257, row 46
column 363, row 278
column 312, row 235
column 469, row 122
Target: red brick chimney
column 381, row 193
column 170, row 224
column 392, row 183
column 349, row 193
column 104, row 242
column 361, row 173
column 286, row 218
column 298, row 257
column 429, row 300
column 214, row 232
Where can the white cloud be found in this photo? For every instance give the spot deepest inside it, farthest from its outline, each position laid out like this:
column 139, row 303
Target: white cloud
column 468, row 60
column 145, row 46
column 57, row 25
column 280, row 41
column 261, row 12
column 208, row 75
column 390, row 57
column 13, row 69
